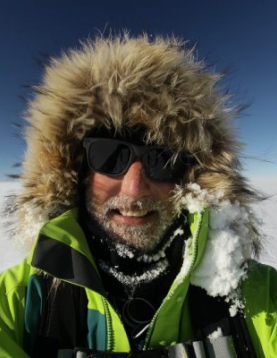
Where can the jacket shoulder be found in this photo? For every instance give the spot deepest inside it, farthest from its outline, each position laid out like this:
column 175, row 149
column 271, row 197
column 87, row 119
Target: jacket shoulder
column 260, row 300
column 262, row 277
column 14, row 277
column 13, row 284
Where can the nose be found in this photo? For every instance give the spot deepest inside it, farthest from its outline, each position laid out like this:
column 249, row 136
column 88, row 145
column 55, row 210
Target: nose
column 135, row 184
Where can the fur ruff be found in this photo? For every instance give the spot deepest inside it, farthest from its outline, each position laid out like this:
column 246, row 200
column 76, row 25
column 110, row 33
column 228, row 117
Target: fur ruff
column 122, row 82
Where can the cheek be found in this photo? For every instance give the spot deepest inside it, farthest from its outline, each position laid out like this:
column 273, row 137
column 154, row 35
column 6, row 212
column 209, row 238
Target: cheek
column 163, row 191
column 103, row 187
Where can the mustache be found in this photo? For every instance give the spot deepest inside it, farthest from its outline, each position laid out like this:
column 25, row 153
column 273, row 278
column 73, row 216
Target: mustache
column 122, row 202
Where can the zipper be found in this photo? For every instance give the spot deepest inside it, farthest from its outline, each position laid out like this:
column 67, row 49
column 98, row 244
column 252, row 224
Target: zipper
column 169, row 296
column 110, row 331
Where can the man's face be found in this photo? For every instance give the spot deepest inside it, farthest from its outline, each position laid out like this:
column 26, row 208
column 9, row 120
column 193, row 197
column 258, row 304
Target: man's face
column 131, row 208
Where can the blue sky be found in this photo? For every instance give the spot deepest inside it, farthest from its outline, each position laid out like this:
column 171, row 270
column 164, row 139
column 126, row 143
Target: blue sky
column 237, row 36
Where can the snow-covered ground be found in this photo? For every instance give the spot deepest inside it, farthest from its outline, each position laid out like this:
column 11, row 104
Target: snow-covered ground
column 267, row 213
column 10, row 255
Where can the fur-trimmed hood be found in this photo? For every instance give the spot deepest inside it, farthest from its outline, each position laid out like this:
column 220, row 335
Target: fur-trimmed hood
column 123, row 82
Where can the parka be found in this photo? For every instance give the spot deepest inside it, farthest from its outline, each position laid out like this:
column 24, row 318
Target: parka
column 22, row 304
column 117, row 83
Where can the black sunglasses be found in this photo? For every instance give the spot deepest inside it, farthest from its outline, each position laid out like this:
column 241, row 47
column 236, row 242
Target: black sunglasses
column 114, row 157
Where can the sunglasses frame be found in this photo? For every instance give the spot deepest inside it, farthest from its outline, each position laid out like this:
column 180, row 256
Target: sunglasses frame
column 137, row 151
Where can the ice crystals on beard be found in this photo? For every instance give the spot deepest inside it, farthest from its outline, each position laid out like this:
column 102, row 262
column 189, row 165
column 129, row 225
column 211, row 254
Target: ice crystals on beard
column 128, row 280
column 126, row 251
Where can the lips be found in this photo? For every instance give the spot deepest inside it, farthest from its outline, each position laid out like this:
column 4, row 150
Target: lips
column 137, row 213
column 132, row 217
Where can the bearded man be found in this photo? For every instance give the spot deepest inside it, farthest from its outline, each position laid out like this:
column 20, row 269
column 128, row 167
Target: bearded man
column 140, row 220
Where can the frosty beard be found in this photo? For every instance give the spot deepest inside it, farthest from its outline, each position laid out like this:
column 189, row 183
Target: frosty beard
column 145, row 237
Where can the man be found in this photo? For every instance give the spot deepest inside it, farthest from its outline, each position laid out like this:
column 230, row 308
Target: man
column 140, row 218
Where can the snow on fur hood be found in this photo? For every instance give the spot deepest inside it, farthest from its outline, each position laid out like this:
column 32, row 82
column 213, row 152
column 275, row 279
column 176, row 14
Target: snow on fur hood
column 124, row 82
column 229, row 242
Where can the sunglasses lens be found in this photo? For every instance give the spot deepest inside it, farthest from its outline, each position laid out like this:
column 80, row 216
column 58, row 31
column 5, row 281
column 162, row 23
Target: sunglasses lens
column 109, row 158
column 158, row 165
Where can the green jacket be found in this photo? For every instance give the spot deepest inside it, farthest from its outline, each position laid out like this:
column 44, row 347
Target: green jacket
column 62, row 240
